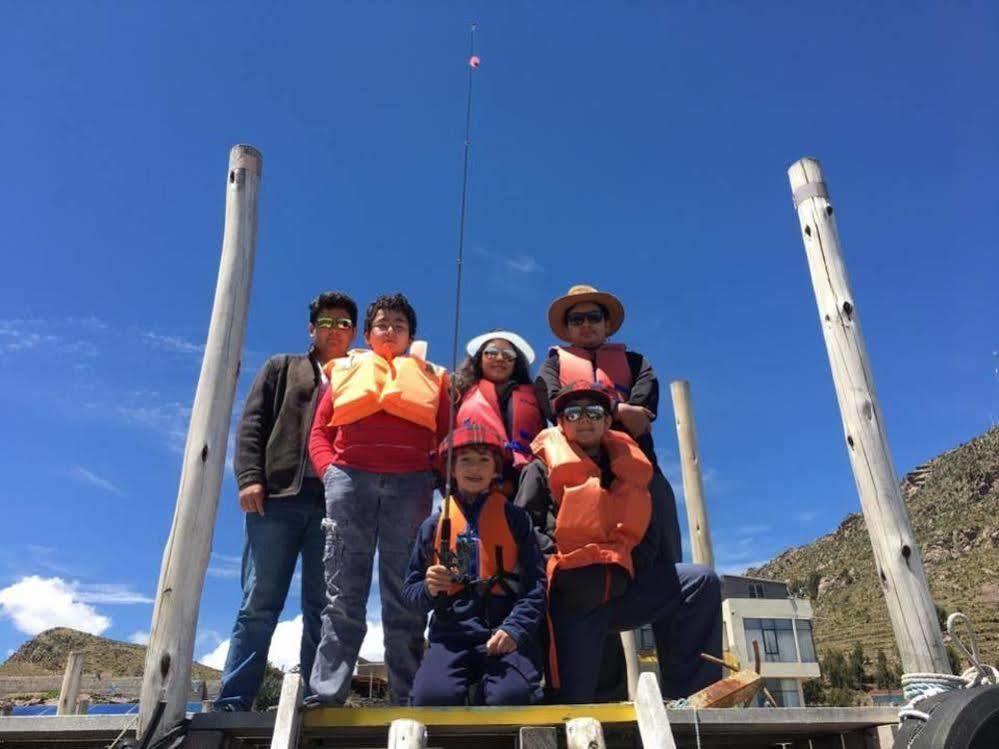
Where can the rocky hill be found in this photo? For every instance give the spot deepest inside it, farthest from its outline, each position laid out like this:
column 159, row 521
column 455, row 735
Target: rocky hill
column 47, row 652
column 954, row 506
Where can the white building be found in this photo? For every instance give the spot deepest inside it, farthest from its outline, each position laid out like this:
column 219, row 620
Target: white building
column 764, row 611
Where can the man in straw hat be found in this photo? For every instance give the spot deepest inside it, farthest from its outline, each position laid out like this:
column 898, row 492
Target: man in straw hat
column 584, row 319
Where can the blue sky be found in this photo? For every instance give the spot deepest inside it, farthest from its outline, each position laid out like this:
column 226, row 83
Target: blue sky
column 641, row 148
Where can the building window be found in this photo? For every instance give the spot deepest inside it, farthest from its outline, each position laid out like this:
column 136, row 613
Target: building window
column 784, row 691
column 806, row 646
column 755, row 590
column 776, row 638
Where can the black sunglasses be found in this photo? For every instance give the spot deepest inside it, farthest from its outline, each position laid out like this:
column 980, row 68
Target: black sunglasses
column 575, row 413
column 578, row 318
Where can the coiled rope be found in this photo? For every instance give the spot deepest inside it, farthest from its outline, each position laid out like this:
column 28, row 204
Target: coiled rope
column 917, row 687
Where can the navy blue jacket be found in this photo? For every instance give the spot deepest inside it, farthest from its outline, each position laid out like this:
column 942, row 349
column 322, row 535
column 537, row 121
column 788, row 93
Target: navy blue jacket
column 464, row 620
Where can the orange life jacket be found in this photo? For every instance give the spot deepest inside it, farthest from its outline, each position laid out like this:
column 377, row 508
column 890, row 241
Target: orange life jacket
column 480, row 405
column 363, row 383
column 607, row 365
column 498, row 551
column 595, row 525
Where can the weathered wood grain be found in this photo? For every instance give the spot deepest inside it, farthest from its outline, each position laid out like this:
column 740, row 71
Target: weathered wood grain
column 185, row 558
column 896, row 555
column 702, row 551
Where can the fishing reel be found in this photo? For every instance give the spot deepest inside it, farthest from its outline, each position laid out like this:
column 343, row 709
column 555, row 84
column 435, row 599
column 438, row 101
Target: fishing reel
column 463, row 562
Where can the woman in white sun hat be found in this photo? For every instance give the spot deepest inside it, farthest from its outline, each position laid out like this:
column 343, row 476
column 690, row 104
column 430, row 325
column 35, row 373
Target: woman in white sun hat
column 495, row 390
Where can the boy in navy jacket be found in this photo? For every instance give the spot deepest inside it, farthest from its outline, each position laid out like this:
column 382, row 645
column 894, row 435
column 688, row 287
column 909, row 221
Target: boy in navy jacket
column 487, row 593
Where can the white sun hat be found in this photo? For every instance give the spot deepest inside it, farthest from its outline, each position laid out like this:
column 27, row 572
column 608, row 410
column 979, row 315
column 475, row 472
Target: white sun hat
column 512, row 338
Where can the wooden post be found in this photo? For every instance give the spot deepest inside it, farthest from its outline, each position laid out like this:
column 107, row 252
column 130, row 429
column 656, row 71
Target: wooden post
column 629, row 644
column 407, row 734
column 185, row 557
column 653, row 723
column 289, row 718
column 537, row 737
column 896, row 555
column 584, row 733
column 70, row 690
column 693, row 484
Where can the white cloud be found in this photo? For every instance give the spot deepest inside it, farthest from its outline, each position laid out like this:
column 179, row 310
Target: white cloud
column 168, row 419
column 523, row 264
column 172, row 343
column 216, row 658
column 140, row 637
column 84, row 476
column 225, row 566
column 35, row 604
column 23, row 335
column 111, row 593
column 286, row 645
column 806, row 516
column 373, row 647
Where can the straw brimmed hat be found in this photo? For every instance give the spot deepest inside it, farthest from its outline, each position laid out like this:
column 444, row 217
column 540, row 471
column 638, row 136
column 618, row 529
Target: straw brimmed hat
column 512, row 338
column 577, row 295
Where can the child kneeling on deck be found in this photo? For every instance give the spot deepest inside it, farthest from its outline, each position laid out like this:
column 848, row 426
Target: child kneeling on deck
column 588, row 497
column 487, row 594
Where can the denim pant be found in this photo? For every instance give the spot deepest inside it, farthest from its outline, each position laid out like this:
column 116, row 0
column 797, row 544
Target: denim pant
column 364, row 511
column 271, row 546
column 684, row 608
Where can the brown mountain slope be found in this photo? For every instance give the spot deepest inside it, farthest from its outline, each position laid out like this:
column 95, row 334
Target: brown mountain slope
column 47, row 652
column 954, row 506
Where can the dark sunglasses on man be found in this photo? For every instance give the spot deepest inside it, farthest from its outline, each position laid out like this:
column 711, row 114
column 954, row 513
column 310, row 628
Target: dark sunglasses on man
column 340, row 323
column 575, row 413
column 578, row 318
column 500, row 353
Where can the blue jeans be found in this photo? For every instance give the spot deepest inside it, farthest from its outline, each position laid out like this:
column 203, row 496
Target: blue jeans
column 271, row 546
column 364, row 511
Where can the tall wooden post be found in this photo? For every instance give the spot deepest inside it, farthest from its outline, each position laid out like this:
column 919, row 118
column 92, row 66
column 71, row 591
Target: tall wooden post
column 185, row 557
column 629, row 644
column 896, row 556
column 693, row 484
column 70, row 690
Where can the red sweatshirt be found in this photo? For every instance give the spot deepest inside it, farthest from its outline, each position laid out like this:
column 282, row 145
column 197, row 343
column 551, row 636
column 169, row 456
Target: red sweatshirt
column 380, row 443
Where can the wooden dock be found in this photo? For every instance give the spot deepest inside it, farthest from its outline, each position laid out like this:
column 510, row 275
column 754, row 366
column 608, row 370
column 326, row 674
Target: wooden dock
column 485, row 727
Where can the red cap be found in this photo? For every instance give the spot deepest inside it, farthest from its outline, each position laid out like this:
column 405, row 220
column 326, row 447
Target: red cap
column 471, row 433
column 595, row 390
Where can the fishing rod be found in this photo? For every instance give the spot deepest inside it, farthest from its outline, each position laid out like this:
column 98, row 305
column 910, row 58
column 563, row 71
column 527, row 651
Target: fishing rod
column 473, row 64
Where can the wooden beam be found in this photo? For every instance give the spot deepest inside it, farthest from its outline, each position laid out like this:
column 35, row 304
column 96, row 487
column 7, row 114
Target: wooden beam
column 897, row 559
column 69, row 693
column 653, row 723
column 514, row 715
column 693, row 484
column 584, row 733
column 289, row 718
column 185, row 558
column 629, row 644
column 407, row 734
column 537, row 737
